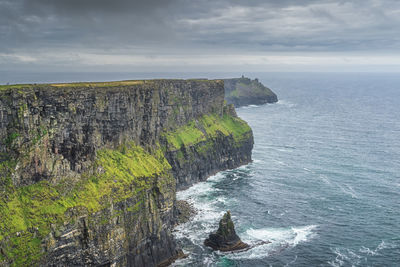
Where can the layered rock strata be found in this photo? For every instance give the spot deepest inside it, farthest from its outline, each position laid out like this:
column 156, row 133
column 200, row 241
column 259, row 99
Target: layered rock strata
column 89, row 171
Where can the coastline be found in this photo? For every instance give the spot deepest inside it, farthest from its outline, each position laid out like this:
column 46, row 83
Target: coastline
column 72, row 151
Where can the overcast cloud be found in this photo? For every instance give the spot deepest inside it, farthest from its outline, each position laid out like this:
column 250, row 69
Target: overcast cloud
column 197, row 35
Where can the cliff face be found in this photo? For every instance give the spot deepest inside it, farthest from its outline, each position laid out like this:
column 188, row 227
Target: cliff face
column 88, row 172
column 221, row 143
column 244, row 91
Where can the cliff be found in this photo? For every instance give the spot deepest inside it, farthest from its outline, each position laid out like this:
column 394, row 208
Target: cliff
column 89, row 171
column 244, row 91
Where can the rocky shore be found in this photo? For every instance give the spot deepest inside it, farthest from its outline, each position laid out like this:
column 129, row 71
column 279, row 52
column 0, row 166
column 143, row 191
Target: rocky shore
column 185, row 211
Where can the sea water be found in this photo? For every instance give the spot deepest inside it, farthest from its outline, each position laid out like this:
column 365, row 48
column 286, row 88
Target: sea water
column 324, row 184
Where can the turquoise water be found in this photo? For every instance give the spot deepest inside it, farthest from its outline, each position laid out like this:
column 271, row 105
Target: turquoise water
column 324, row 186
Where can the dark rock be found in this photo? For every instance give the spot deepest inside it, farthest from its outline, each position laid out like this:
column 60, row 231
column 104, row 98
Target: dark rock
column 185, row 211
column 244, row 91
column 168, row 262
column 225, row 238
column 49, row 138
column 224, row 153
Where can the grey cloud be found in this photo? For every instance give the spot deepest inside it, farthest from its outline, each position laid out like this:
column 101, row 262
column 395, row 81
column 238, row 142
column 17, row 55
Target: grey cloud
column 347, row 26
column 159, row 27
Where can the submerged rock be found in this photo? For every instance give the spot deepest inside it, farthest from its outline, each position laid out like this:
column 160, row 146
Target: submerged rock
column 225, row 238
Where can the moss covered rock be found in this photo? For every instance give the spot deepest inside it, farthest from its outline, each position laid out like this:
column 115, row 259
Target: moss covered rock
column 89, row 171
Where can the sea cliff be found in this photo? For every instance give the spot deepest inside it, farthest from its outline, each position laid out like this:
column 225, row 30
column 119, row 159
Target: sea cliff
column 244, row 91
column 89, row 171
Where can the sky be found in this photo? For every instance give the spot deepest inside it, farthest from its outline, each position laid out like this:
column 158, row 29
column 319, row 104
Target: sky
column 201, row 35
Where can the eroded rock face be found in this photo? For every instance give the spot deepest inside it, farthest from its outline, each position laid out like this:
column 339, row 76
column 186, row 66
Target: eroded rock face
column 62, row 203
column 196, row 162
column 225, row 238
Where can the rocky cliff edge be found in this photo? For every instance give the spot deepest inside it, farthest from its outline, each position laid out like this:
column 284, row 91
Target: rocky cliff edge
column 89, row 171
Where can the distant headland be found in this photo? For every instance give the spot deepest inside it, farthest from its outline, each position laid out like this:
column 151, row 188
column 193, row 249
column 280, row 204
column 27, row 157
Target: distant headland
column 244, row 91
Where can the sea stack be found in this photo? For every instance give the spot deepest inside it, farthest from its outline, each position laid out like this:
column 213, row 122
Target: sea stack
column 225, row 238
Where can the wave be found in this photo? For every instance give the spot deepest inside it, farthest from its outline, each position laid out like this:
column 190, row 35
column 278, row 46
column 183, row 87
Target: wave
column 210, row 207
column 383, row 245
column 249, row 107
column 347, row 257
column 202, row 197
column 348, row 190
column 280, row 239
column 291, row 236
column 286, row 103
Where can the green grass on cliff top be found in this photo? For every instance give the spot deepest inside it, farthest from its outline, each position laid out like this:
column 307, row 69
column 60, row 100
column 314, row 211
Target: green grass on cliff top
column 126, row 172
column 93, row 84
column 78, row 84
column 207, row 126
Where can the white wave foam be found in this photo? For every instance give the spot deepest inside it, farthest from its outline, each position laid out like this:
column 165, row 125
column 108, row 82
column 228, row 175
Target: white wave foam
column 291, row 262
column 325, row 179
column 279, row 238
column 222, row 199
column 209, row 210
column 348, row 190
column 368, row 251
column 206, row 204
column 384, row 245
column 282, row 149
column 347, row 257
column 286, row 103
column 374, row 252
column 249, row 107
column 303, row 233
column 244, row 167
column 280, row 162
column 200, row 189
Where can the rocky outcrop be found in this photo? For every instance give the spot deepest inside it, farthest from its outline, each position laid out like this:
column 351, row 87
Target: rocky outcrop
column 225, row 238
column 244, row 91
column 89, row 171
column 185, row 211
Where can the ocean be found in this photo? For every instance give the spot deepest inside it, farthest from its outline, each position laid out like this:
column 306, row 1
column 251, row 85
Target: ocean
column 324, row 184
